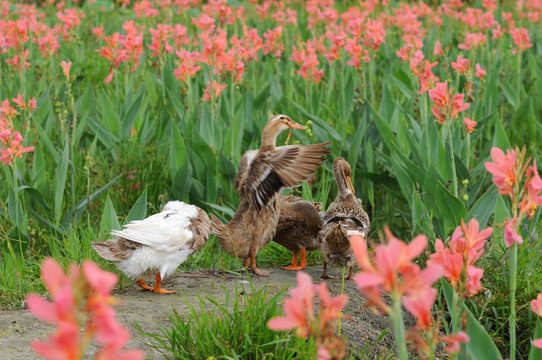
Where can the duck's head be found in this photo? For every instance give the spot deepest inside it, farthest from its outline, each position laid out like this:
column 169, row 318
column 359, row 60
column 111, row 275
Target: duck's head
column 343, row 176
column 277, row 124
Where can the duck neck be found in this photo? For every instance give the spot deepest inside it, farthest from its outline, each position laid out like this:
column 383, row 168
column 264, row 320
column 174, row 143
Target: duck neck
column 269, row 138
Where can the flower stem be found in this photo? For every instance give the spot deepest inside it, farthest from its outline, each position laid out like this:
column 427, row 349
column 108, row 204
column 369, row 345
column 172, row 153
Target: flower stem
column 513, row 276
column 398, row 326
column 452, row 158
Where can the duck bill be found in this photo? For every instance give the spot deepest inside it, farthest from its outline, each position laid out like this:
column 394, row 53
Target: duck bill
column 349, row 184
column 297, row 126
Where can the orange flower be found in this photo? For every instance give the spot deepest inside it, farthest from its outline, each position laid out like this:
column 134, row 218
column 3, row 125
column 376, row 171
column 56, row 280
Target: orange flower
column 469, row 125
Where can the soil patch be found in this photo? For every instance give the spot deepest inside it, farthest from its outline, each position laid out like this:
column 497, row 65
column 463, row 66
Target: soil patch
column 363, row 329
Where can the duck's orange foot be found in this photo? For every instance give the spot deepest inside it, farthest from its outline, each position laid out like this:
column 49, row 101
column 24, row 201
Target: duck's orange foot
column 158, row 286
column 163, row 291
column 142, row 283
column 261, row 272
column 293, row 267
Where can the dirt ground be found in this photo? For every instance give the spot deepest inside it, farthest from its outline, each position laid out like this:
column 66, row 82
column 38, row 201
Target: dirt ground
column 363, row 330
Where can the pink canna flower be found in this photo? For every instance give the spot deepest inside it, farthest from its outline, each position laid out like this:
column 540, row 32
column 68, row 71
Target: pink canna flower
column 391, row 268
column 273, row 43
column 438, row 49
column 215, row 88
column 455, row 341
column 532, row 198
column 466, row 246
column 66, row 66
column 19, row 101
column 420, row 305
column 479, row 72
column 504, row 169
column 511, row 235
column 80, row 309
column 469, row 125
column 521, row 38
column 299, row 315
column 188, row 68
column 461, row 65
column 11, row 146
column 536, row 305
column 537, row 343
column 332, row 306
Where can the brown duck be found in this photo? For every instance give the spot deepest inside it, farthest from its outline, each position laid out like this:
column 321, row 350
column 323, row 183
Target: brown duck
column 344, row 217
column 255, row 222
column 299, row 220
column 298, row 228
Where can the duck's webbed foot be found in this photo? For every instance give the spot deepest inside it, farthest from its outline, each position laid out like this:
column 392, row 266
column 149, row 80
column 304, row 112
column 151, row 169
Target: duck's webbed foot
column 253, row 266
column 157, row 286
column 350, row 277
column 142, row 283
column 325, row 274
column 295, row 265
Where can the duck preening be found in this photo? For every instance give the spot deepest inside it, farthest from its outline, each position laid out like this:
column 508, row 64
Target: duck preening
column 344, row 217
column 298, row 227
column 268, row 170
column 158, row 244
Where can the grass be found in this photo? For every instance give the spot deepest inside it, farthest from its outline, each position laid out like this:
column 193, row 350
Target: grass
column 236, row 329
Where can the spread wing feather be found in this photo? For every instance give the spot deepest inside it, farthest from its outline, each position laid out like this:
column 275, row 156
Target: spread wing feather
column 286, row 166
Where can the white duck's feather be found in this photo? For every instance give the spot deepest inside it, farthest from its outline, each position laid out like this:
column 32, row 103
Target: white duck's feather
column 159, row 243
column 145, row 262
column 167, row 231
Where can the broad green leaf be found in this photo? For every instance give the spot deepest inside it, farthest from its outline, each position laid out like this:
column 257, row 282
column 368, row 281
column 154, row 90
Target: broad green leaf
column 451, row 208
column 536, row 353
column 75, row 213
column 480, row 346
column 109, row 221
column 510, row 93
column 60, row 180
column 484, row 207
column 355, row 146
column 386, row 132
column 177, row 150
column 500, row 139
column 182, row 182
column 139, row 210
column 129, row 118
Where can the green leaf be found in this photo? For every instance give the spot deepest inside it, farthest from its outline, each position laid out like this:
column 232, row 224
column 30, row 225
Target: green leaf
column 60, row 180
column 109, row 220
column 510, row 93
column 130, row 117
column 386, row 132
column 480, row 346
column 500, row 139
column 139, row 210
column 75, row 212
column 451, row 208
column 177, row 150
column 484, row 207
column 536, row 353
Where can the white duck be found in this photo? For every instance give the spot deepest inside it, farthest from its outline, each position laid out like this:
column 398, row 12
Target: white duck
column 157, row 245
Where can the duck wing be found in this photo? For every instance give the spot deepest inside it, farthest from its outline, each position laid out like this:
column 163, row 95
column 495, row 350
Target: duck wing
column 285, row 166
column 167, row 231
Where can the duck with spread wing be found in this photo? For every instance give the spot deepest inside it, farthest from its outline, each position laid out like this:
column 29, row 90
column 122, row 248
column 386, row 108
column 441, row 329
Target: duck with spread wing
column 268, row 170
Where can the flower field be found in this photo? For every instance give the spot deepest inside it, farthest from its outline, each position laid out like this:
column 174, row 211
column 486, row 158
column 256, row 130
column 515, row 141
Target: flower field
column 108, row 109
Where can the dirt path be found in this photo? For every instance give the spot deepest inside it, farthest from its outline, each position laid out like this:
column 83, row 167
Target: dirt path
column 18, row 328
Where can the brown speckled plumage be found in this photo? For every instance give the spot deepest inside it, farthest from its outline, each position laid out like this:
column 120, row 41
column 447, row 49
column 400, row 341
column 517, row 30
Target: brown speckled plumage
column 343, row 217
column 255, row 221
